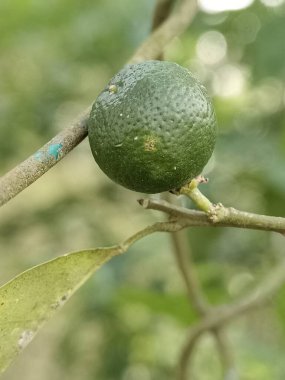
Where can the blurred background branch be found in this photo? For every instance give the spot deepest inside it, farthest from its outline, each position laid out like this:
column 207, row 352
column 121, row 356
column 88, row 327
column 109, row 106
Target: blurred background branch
column 172, row 27
column 220, row 316
column 186, row 266
column 161, row 12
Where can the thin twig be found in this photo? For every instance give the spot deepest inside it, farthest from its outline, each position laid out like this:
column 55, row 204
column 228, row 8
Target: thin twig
column 224, row 217
column 161, row 13
column 226, row 353
column 50, row 154
column 171, row 226
column 185, row 264
column 220, row 316
column 172, row 27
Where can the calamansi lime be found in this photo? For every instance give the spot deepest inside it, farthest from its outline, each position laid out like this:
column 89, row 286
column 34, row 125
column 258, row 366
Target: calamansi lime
column 153, row 128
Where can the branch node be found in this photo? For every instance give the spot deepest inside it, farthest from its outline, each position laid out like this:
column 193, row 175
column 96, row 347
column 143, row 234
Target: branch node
column 217, row 213
column 144, row 202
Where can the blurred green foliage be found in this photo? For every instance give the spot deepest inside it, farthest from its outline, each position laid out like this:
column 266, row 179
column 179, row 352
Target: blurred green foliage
column 130, row 320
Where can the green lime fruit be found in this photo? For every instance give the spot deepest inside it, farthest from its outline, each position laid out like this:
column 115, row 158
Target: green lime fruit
column 153, row 128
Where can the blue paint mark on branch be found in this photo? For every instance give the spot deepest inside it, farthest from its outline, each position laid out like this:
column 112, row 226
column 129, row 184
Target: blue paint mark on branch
column 54, row 150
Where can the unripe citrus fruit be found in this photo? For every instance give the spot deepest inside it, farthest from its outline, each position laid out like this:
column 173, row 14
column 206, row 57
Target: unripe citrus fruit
column 153, row 128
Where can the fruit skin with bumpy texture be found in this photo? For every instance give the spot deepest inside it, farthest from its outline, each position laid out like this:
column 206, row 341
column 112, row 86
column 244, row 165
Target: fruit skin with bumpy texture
column 153, row 128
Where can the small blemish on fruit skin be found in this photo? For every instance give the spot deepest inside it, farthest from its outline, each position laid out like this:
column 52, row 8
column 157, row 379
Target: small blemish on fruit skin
column 150, row 144
column 136, row 138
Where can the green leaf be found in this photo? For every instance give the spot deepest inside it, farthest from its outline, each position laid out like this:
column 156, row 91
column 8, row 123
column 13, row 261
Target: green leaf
column 30, row 299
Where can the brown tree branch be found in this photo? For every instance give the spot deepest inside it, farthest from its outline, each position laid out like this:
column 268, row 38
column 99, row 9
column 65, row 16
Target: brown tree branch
column 226, row 353
column 161, row 12
column 224, row 217
column 50, row 154
column 172, row 27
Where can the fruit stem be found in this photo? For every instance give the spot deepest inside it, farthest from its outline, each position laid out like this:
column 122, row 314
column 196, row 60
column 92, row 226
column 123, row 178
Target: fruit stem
column 191, row 190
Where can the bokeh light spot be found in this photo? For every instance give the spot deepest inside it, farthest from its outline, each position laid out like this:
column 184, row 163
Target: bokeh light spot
column 211, row 47
column 228, row 81
column 272, row 3
column 212, row 6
